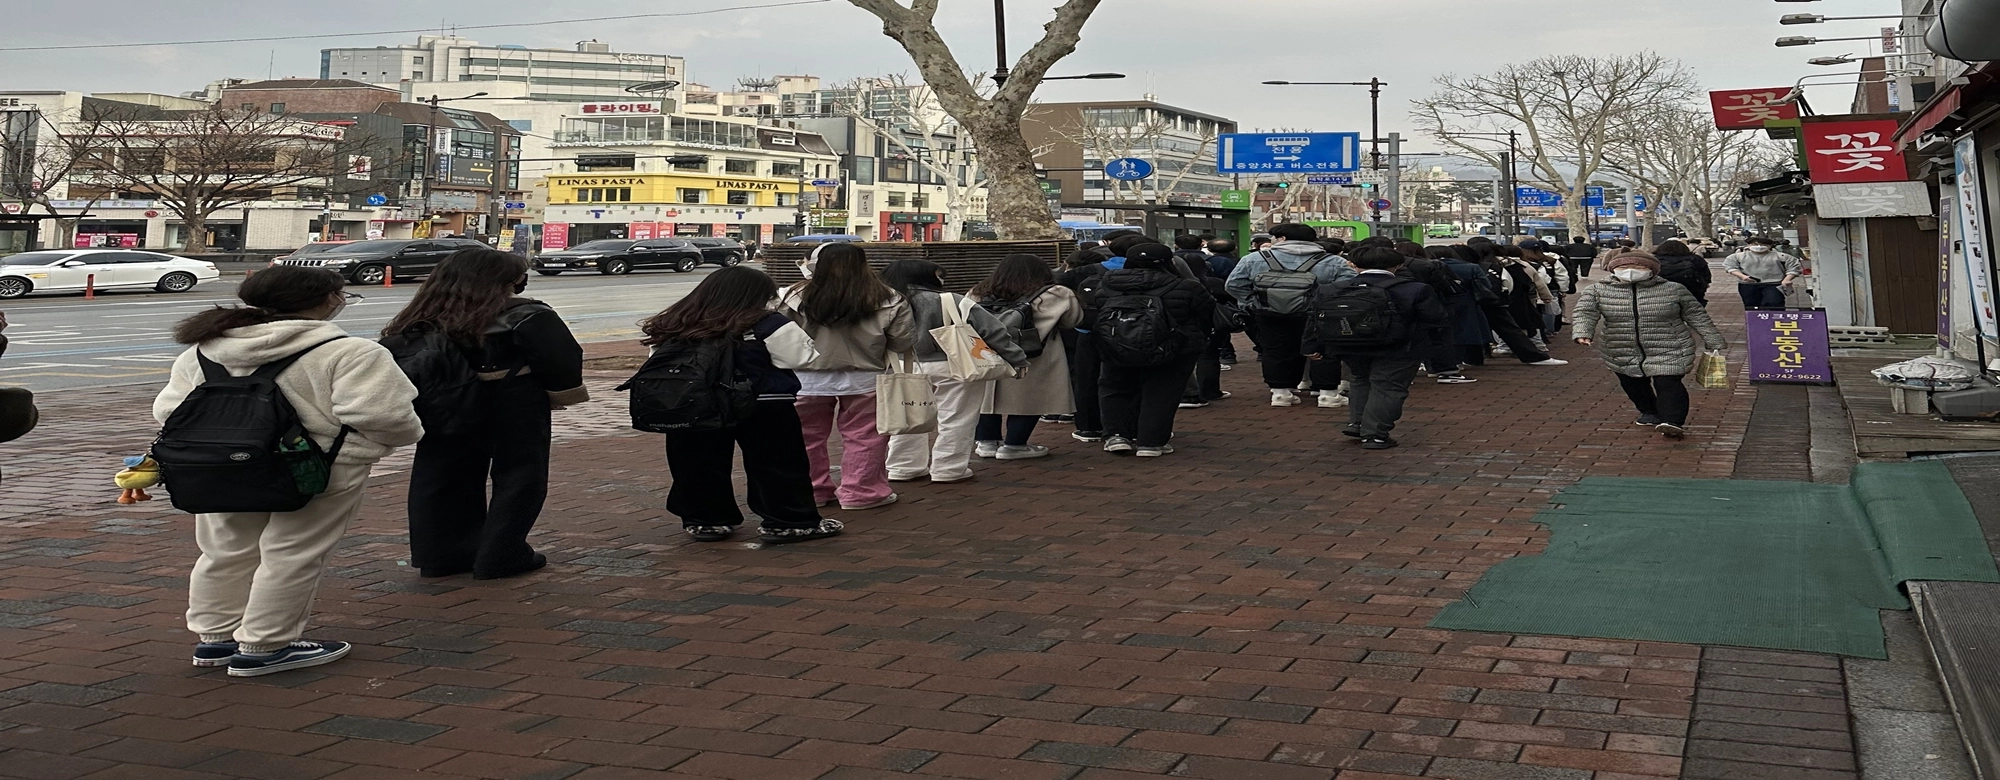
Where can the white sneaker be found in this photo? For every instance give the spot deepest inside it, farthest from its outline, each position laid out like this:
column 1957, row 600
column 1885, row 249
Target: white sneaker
column 1284, row 398
column 985, row 449
column 1550, row 362
column 870, row 505
column 1305, row 385
column 1329, row 399
column 1022, row 452
column 1154, row 452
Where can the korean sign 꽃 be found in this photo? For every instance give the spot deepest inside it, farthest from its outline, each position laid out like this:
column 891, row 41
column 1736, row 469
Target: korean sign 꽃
column 1881, row 199
column 1789, row 346
column 1749, row 109
column 1854, row 152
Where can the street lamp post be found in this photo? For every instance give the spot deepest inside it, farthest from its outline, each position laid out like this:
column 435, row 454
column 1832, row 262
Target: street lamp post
column 1000, row 42
column 1374, row 86
column 1508, row 160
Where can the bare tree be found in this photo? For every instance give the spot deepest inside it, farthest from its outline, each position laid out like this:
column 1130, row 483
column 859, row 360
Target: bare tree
column 1153, row 140
column 1690, row 170
column 1015, row 204
column 1566, row 108
column 200, row 162
column 39, row 155
column 916, row 124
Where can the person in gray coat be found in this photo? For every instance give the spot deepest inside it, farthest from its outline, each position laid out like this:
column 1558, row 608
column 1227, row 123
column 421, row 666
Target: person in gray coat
column 1644, row 328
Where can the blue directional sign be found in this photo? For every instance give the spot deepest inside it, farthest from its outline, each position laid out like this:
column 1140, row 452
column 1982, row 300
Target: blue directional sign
column 377, row 199
column 1329, row 179
column 1639, row 202
column 1593, row 197
column 825, row 183
column 1296, row 152
column 517, row 205
column 1128, row 169
column 1607, row 212
column 1536, row 197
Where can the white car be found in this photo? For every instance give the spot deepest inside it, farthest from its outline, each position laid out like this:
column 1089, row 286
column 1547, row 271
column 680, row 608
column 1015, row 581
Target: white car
column 107, row 269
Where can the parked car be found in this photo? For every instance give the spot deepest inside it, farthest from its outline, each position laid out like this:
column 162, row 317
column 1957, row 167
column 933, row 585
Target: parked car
column 1441, row 231
column 370, row 262
column 615, row 256
column 721, row 251
column 313, row 248
column 105, row 269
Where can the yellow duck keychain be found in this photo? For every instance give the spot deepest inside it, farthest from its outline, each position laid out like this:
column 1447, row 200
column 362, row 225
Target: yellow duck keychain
column 140, row 473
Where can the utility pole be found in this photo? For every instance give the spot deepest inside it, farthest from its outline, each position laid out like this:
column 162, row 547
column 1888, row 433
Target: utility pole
column 496, row 195
column 1000, row 42
column 431, row 160
column 1394, row 182
column 1514, row 200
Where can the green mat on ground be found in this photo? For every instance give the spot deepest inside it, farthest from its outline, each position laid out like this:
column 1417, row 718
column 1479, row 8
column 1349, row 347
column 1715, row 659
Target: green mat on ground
column 1785, row 565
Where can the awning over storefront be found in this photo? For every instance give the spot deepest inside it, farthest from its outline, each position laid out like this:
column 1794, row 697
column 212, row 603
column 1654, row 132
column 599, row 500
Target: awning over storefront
column 1951, row 107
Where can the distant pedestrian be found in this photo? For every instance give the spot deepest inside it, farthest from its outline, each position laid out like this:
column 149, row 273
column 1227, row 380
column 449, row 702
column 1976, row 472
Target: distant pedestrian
column 1644, row 327
column 1680, row 265
column 1380, row 325
column 1222, row 262
column 1023, row 289
column 1764, row 275
column 527, row 364
column 858, row 327
column 251, row 593
column 732, row 305
column 913, row 456
column 1498, row 308
column 1577, row 256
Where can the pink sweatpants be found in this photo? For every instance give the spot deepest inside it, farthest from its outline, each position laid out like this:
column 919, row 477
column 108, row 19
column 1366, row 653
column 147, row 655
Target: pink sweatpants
column 864, row 474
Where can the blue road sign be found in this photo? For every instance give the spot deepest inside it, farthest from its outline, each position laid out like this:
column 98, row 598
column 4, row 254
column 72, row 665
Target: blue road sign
column 1328, row 178
column 1607, row 212
column 377, row 199
column 1639, row 202
column 1379, row 204
column 1128, row 169
column 825, row 183
column 1298, row 152
column 1536, row 197
column 517, row 205
column 1593, row 197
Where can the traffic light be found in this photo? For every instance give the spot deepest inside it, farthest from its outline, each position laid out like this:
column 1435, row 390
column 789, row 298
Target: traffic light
column 1284, row 185
column 1367, row 186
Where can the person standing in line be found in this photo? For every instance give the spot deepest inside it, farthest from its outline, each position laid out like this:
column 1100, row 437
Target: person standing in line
column 734, row 304
column 251, row 591
column 1493, row 305
column 858, row 326
column 1012, row 407
column 1577, row 256
column 1141, row 399
column 1680, row 265
column 1254, row 283
column 912, row 456
column 1221, row 263
column 1756, row 267
column 1465, row 342
column 1440, row 354
column 528, row 364
column 1644, row 328
column 1084, row 275
column 1526, row 292
column 1380, row 372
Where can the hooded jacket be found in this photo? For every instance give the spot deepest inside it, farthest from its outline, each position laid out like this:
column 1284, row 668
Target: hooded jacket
column 1644, row 328
column 352, row 381
column 861, row 346
column 1189, row 304
column 1242, row 284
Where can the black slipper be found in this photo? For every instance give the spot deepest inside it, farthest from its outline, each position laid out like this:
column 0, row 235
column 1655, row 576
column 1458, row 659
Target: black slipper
column 537, row 562
column 789, row 536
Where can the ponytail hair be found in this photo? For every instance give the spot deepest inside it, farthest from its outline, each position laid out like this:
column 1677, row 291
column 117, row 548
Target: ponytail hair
column 276, row 293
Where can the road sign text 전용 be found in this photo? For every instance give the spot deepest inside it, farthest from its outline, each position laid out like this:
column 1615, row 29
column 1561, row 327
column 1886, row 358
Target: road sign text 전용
column 1293, row 152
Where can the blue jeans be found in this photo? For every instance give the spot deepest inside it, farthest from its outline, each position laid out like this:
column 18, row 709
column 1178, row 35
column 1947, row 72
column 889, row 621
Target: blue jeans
column 1761, row 296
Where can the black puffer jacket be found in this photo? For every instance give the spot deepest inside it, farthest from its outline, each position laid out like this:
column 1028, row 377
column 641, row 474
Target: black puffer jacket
column 1189, row 304
column 1688, row 271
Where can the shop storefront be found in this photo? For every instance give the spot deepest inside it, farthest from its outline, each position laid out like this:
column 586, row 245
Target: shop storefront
column 652, row 205
column 911, row 226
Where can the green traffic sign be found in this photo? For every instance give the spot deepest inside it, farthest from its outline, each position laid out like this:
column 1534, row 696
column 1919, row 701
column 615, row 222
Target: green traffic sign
column 1236, row 199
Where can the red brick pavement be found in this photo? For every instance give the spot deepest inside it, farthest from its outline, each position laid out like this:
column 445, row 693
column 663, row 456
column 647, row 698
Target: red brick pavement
column 1251, row 607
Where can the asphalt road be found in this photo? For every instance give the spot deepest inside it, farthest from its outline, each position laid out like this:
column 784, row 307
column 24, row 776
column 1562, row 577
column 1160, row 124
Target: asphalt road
column 65, row 342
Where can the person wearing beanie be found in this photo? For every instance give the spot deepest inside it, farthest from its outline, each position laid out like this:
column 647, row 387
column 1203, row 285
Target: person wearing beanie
column 1150, row 326
column 1644, row 328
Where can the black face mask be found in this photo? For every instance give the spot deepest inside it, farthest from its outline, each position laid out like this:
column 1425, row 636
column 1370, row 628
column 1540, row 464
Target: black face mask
column 521, row 286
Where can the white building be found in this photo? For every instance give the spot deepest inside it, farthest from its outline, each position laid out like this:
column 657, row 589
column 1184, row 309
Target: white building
column 592, row 72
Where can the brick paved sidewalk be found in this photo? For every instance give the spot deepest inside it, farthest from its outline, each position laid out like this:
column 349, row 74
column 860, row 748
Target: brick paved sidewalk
column 1251, row 607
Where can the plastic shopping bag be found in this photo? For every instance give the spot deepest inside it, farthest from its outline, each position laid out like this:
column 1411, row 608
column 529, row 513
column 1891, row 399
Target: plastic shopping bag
column 1713, row 371
column 967, row 358
column 904, row 402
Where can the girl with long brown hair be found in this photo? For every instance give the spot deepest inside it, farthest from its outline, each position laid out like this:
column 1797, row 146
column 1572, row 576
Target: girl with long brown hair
column 527, row 364
column 858, row 324
column 735, row 304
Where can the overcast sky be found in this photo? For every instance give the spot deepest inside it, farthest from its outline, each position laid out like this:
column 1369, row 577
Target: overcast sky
column 1207, row 55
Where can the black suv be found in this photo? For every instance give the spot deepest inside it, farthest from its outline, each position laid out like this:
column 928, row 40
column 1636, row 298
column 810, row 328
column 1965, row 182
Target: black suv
column 721, row 251
column 369, row 262
column 619, row 256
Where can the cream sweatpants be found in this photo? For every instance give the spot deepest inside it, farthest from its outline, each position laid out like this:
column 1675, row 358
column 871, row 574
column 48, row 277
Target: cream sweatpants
column 259, row 571
column 912, row 455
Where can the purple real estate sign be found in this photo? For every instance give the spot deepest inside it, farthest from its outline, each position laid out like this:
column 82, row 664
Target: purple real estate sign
column 1789, row 346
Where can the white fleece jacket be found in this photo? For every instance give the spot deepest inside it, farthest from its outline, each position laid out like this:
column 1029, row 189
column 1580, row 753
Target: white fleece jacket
column 352, row 382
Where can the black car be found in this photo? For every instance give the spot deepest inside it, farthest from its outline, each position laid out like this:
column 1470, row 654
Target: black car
column 621, row 256
column 369, row 262
column 721, row 251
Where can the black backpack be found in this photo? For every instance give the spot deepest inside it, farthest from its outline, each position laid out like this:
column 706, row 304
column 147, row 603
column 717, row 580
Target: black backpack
column 1360, row 314
column 691, row 386
column 235, row 444
column 1133, row 329
column 447, row 383
column 1019, row 319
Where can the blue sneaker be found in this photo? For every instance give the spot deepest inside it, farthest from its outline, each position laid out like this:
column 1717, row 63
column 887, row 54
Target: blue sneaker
column 208, row 654
column 298, row 655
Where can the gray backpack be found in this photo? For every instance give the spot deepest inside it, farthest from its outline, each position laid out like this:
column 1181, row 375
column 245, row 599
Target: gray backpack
column 1287, row 291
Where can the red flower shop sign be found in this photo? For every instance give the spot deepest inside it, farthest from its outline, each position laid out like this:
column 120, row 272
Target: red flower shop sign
column 1853, row 152
column 1749, row 109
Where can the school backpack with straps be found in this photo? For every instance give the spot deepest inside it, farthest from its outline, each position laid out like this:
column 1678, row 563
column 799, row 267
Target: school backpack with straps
column 446, row 380
column 691, row 386
column 1133, row 329
column 1360, row 314
column 1019, row 319
column 1288, row 291
column 235, row 444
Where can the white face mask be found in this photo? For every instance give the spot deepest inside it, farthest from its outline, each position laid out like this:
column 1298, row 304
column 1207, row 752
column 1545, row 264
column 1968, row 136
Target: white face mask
column 1759, row 248
column 1633, row 274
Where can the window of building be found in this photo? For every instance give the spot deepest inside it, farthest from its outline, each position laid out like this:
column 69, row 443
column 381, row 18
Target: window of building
column 604, row 195
column 277, row 108
column 896, row 200
column 690, row 165
column 523, row 125
column 785, row 170
column 598, row 130
column 688, row 195
column 249, row 106
column 742, row 198
column 416, row 60
column 703, row 131
column 920, row 201
column 895, row 170
column 417, row 76
column 788, row 199
column 740, row 166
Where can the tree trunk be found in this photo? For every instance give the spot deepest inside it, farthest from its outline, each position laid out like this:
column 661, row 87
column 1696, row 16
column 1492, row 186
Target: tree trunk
column 196, row 226
column 1014, row 200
